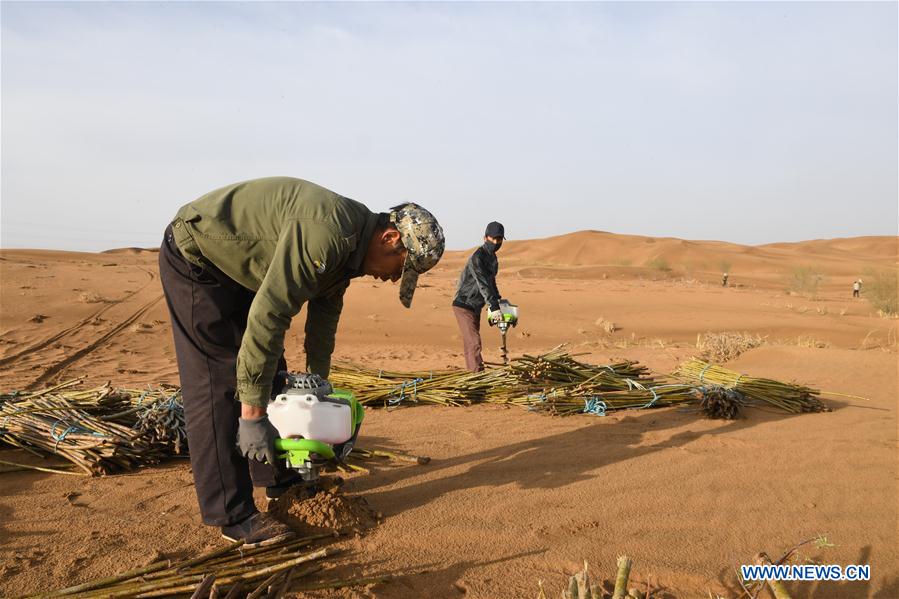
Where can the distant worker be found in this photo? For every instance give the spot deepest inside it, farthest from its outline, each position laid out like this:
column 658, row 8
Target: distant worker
column 477, row 288
column 724, row 280
column 856, row 288
column 236, row 266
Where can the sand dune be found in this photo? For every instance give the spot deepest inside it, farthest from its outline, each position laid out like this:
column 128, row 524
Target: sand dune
column 594, row 254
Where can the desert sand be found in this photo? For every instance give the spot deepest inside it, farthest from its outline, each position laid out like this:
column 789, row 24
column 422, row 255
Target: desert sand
column 511, row 497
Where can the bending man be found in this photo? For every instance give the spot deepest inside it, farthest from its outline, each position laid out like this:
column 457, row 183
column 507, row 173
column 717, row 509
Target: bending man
column 236, row 266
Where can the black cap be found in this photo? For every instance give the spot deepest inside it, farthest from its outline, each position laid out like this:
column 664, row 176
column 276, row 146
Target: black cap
column 495, row 229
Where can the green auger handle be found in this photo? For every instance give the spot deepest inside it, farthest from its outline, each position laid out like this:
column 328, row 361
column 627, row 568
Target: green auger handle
column 297, row 450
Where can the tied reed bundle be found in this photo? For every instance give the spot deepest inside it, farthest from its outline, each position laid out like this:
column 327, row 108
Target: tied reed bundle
column 555, row 373
column 101, row 430
column 788, row 397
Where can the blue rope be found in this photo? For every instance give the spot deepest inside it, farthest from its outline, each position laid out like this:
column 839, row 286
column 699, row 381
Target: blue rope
column 402, row 389
column 72, row 428
column 655, row 396
column 539, row 396
column 172, row 403
column 595, row 406
column 701, row 374
column 631, row 385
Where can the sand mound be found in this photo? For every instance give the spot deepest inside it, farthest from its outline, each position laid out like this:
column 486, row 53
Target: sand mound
column 130, row 250
column 328, row 510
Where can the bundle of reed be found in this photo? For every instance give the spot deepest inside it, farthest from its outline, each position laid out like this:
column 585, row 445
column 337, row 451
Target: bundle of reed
column 789, row 397
column 231, row 571
column 721, row 402
column 557, row 366
column 161, row 422
column 101, row 430
column 102, row 400
column 594, row 399
column 373, row 387
column 566, row 382
column 55, row 425
column 524, row 376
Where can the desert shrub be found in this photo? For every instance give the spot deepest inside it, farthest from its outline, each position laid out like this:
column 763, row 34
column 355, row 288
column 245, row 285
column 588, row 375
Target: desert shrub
column 880, row 288
column 805, row 280
column 808, row 341
column 658, row 263
column 721, row 347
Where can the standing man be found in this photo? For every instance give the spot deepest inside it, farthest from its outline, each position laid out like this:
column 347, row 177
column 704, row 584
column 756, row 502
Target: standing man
column 477, row 288
column 724, row 280
column 856, row 288
column 236, row 266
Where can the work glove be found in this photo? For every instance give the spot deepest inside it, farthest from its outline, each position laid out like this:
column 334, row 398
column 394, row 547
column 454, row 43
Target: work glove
column 495, row 316
column 256, row 439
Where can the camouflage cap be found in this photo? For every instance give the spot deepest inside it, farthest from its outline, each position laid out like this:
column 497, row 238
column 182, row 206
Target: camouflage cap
column 422, row 236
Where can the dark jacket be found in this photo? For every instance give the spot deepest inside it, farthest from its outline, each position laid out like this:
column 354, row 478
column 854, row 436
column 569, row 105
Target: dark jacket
column 293, row 243
column 477, row 283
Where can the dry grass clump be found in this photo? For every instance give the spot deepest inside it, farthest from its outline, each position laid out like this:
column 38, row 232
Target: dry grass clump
column 659, row 264
column 808, row 341
column 89, row 297
column 606, row 325
column 873, row 340
column 805, row 280
column 882, row 290
column 721, row 347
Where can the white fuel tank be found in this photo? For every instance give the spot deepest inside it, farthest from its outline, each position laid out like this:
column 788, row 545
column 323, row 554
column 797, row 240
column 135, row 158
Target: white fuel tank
column 305, row 415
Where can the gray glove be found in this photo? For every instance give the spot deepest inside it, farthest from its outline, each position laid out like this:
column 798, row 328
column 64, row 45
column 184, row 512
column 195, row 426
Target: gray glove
column 256, row 439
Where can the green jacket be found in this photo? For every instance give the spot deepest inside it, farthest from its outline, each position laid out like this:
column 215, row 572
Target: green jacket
column 293, row 243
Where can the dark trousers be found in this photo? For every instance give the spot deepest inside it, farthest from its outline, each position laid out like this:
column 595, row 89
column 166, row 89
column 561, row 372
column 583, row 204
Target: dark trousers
column 209, row 315
column 470, row 327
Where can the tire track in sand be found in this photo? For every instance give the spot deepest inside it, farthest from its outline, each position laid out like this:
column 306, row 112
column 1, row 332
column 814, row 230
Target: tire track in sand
column 55, row 369
column 78, row 325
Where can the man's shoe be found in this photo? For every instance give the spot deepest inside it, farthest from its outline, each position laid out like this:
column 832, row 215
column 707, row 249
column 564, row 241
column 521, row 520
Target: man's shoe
column 258, row 530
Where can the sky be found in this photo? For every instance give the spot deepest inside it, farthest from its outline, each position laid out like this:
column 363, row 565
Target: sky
column 743, row 122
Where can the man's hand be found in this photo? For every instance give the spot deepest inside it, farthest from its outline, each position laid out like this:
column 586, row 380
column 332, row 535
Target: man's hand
column 256, row 439
column 495, row 316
